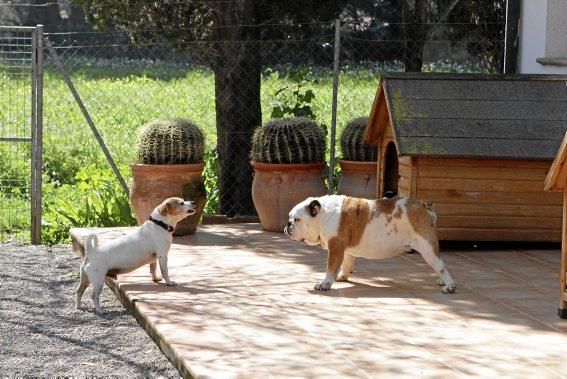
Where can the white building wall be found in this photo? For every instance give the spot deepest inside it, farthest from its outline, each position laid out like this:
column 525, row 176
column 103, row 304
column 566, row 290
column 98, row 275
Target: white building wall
column 556, row 39
column 534, row 26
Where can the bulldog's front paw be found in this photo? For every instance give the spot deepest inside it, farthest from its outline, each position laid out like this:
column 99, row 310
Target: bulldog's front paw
column 450, row 288
column 342, row 277
column 323, row 286
column 157, row 279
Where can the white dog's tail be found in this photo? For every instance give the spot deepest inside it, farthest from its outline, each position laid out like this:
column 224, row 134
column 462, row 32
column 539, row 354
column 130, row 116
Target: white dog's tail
column 91, row 243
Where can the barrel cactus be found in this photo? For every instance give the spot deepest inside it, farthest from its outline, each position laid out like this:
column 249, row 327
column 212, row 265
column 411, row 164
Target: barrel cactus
column 352, row 142
column 291, row 140
column 170, row 141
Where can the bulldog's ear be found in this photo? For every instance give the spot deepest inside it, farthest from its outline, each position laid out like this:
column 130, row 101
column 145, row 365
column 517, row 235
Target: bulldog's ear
column 314, row 207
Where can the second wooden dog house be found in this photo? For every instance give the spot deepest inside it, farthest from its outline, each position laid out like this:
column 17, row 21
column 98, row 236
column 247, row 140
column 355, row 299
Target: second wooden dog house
column 556, row 181
column 478, row 146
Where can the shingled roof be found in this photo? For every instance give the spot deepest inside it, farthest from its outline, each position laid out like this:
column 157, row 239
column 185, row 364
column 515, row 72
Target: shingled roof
column 464, row 115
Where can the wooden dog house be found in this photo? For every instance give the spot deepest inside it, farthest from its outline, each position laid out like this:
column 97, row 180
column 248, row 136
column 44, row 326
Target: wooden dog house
column 557, row 181
column 478, row 146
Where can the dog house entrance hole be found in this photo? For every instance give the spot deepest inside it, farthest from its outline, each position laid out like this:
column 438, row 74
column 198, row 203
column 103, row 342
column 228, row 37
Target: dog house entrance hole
column 391, row 172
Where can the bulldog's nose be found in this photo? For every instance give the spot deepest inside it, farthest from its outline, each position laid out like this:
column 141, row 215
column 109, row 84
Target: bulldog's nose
column 289, row 224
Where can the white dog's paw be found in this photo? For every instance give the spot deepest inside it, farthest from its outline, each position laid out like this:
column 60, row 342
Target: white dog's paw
column 449, row 288
column 99, row 311
column 440, row 282
column 342, row 277
column 323, row 286
column 171, row 283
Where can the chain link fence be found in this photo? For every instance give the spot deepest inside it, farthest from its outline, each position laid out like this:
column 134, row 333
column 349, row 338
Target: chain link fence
column 19, row 159
column 126, row 84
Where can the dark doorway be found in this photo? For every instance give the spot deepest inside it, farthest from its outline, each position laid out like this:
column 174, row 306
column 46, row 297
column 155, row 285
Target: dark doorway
column 391, row 171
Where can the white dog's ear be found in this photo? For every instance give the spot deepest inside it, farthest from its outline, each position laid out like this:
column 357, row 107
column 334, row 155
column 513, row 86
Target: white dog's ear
column 314, row 207
column 164, row 208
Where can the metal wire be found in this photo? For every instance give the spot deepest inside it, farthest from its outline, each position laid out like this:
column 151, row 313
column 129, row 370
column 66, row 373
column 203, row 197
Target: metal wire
column 15, row 132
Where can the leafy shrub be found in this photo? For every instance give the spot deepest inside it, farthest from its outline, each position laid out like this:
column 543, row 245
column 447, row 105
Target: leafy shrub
column 96, row 198
column 294, row 100
column 211, row 175
column 291, row 140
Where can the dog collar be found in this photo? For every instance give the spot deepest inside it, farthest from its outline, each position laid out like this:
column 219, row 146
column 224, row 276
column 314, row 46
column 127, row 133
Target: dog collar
column 167, row 227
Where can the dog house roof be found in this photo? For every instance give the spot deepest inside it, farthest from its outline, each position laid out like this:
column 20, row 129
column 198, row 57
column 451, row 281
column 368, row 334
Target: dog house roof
column 469, row 115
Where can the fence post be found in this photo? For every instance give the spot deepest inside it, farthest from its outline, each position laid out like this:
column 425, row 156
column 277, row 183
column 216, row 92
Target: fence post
column 36, row 134
column 334, row 104
column 39, row 132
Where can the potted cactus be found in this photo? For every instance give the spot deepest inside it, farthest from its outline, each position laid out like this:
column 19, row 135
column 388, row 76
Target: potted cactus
column 359, row 163
column 288, row 157
column 169, row 163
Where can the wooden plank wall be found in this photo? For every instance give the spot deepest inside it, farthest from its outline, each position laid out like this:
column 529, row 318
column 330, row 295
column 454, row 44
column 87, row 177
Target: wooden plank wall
column 405, row 171
column 490, row 199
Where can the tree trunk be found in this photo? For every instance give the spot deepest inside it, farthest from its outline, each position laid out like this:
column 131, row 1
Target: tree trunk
column 415, row 33
column 237, row 69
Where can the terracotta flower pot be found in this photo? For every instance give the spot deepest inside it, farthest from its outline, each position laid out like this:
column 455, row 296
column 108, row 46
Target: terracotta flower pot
column 151, row 184
column 358, row 179
column 277, row 188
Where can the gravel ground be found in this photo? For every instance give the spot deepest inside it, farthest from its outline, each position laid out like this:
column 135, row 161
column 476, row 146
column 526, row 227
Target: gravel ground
column 42, row 334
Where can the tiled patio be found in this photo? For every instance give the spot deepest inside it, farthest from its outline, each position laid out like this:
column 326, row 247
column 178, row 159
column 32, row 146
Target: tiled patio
column 245, row 306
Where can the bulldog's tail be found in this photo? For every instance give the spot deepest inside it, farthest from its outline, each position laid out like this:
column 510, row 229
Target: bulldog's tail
column 91, row 243
column 428, row 204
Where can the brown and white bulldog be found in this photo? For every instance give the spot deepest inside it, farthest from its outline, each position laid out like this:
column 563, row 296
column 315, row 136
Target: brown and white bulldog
column 349, row 227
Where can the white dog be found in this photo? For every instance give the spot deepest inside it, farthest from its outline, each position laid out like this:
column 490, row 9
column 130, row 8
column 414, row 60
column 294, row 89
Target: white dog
column 146, row 245
column 350, row 227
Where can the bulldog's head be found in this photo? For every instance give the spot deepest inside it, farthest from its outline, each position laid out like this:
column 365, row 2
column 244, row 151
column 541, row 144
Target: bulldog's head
column 303, row 222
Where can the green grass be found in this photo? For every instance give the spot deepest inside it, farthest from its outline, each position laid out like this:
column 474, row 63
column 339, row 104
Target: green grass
column 120, row 104
column 123, row 95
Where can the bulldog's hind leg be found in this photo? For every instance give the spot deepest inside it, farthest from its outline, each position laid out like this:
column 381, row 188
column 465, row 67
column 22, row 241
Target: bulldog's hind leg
column 346, row 268
column 430, row 252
